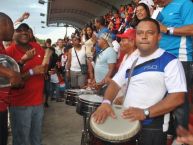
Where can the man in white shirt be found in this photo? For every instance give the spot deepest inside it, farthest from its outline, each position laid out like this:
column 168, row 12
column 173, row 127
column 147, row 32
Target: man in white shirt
column 157, row 86
column 60, row 47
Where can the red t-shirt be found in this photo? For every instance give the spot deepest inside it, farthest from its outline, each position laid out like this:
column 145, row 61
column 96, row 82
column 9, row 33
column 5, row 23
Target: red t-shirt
column 3, row 91
column 32, row 93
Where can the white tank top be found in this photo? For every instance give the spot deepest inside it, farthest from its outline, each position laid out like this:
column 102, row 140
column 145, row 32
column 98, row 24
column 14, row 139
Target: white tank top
column 74, row 61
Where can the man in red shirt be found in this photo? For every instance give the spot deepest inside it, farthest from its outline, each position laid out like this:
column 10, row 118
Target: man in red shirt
column 26, row 107
column 6, row 33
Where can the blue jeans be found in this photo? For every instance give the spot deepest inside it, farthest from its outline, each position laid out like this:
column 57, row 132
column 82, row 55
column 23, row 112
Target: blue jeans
column 26, row 123
column 54, row 87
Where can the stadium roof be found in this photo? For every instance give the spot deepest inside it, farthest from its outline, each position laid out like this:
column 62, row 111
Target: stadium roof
column 78, row 12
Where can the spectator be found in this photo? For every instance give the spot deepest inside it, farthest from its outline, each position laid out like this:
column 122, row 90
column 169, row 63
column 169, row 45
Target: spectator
column 128, row 46
column 73, row 70
column 176, row 23
column 26, row 107
column 48, row 44
column 100, row 26
column 117, row 22
column 89, row 45
column 141, row 12
column 104, row 67
column 60, row 47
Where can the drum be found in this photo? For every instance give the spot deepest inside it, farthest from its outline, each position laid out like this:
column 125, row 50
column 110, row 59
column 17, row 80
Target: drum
column 87, row 104
column 10, row 63
column 72, row 95
column 116, row 131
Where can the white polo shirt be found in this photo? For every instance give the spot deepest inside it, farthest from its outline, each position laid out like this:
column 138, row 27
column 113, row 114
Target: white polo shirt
column 150, row 82
column 153, row 77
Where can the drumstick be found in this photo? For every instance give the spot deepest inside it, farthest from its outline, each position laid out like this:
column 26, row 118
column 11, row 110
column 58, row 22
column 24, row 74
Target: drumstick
column 46, row 60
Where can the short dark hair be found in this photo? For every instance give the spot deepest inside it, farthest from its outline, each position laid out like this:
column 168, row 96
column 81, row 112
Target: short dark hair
column 101, row 20
column 49, row 41
column 4, row 16
column 151, row 20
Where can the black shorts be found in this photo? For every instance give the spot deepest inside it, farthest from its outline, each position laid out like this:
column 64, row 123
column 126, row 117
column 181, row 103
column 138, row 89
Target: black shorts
column 149, row 136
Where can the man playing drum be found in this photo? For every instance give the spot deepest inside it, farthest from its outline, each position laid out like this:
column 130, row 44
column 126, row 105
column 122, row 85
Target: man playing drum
column 157, row 86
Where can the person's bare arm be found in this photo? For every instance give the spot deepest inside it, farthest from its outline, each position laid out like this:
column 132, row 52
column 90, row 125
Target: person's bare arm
column 24, row 16
column 169, row 103
column 39, row 69
column 109, row 74
column 68, row 65
column 181, row 31
column 105, row 110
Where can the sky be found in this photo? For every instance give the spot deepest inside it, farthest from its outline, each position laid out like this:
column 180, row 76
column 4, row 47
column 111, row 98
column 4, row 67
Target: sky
column 15, row 8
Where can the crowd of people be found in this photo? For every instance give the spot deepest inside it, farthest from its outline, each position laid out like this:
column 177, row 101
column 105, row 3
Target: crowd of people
column 146, row 42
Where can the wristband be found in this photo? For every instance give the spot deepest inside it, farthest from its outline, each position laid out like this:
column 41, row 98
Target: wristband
column 31, row 72
column 106, row 101
column 171, row 30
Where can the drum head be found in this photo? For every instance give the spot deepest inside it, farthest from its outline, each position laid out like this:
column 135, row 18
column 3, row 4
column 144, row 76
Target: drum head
column 115, row 130
column 91, row 98
column 81, row 91
column 10, row 63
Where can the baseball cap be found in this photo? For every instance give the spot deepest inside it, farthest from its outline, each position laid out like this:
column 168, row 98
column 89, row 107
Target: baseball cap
column 149, row 3
column 21, row 26
column 107, row 37
column 129, row 33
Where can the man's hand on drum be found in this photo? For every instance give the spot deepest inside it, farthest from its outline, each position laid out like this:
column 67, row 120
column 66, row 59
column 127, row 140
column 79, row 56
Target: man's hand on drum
column 102, row 112
column 133, row 114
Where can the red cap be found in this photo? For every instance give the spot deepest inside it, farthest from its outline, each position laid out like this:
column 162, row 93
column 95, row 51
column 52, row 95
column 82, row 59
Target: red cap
column 130, row 33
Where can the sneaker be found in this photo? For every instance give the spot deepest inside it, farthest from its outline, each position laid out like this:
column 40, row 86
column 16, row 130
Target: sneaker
column 46, row 105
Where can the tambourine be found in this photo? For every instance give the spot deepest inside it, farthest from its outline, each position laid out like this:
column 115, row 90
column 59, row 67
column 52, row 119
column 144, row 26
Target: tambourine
column 10, row 63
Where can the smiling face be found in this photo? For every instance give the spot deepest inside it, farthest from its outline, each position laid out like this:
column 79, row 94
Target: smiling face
column 147, row 37
column 22, row 36
column 127, row 45
column 141, row 13
column 89, row 31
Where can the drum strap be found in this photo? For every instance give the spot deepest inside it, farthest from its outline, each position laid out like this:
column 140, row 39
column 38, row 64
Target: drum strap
column 129, row 78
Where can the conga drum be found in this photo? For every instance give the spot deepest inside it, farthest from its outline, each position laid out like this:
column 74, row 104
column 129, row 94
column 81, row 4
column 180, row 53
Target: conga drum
column 88, row 103
column 10, row 63
column 117, row 131
column 72, row 95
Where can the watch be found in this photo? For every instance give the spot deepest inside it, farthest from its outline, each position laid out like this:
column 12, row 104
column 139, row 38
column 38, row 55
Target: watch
column 146, row 113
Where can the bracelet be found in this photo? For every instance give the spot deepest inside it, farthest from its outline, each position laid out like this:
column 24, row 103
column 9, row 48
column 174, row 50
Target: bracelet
column 170, row 30
column 31, row 72
column 106, row 101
